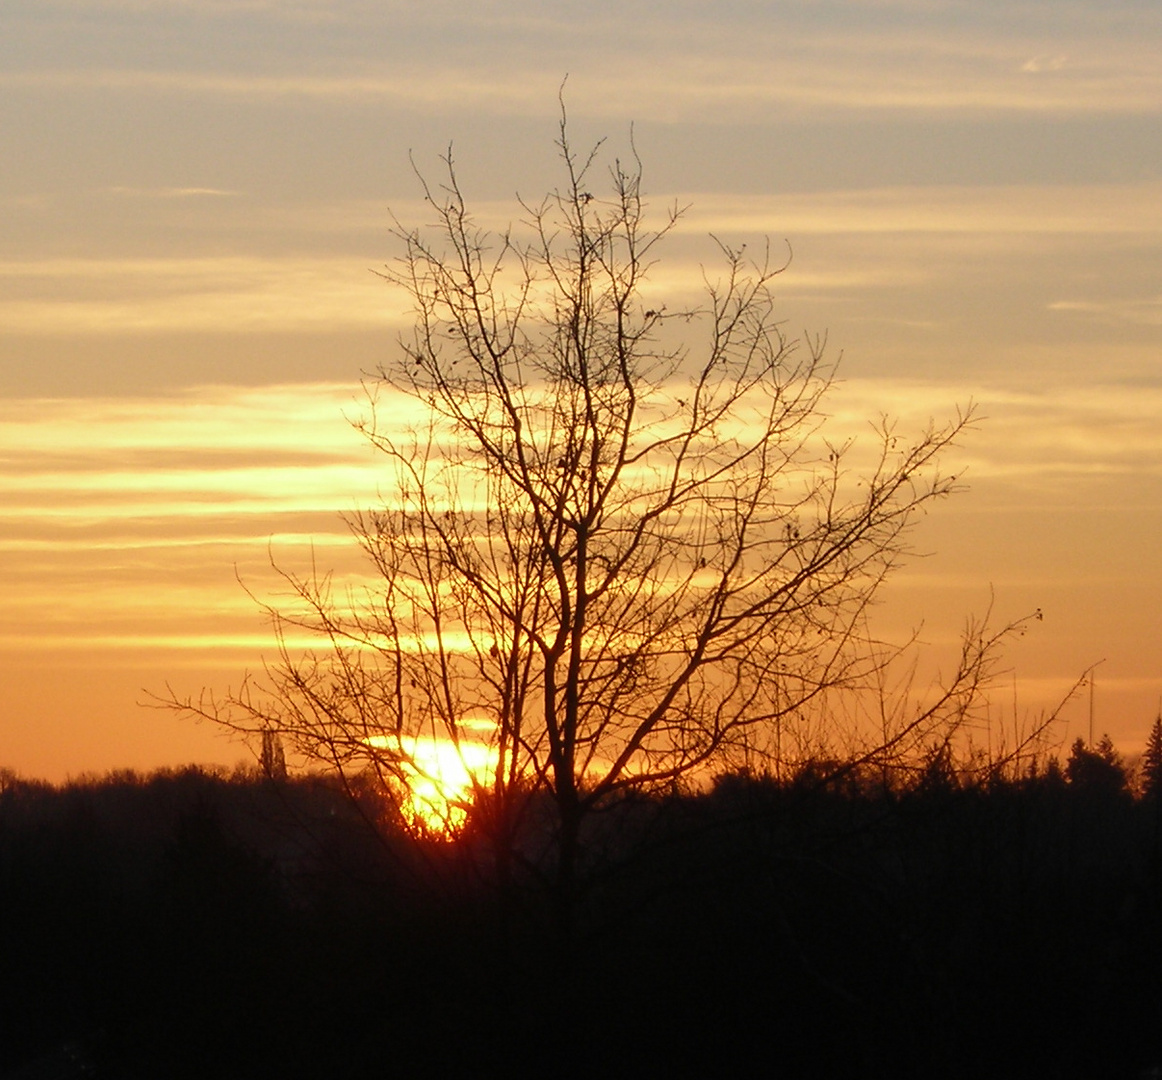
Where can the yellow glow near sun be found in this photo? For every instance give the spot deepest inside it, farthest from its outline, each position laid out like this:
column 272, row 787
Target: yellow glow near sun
column 440, row 777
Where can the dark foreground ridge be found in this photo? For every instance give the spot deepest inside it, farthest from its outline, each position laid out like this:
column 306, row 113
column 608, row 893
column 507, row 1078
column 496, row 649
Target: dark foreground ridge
column 191, row 924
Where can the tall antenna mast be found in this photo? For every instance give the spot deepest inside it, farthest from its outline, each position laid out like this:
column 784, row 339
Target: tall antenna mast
column 1092, row 680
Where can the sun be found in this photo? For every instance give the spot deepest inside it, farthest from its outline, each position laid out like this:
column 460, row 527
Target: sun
column 440, row 775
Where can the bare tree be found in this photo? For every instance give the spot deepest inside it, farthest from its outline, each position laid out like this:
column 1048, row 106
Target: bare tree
column 618, row 551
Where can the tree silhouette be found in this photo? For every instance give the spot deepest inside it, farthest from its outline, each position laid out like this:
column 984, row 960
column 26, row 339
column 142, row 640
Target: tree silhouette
column 1098, row 771
column 616, row 549
column 1152, row 762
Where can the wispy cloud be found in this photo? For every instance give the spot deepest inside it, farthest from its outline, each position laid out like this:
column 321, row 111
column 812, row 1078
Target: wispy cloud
column 1044, row 440
column 170, row 192
column 1094, row 209
column 686, row 80
column 689, row 61
column 249, row 294
column 1038, row 64
column 209, row 418
column 1142, row 312
column 242, row 294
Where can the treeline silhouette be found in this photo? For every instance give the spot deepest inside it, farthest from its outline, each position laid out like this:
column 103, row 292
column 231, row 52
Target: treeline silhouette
column 834, row 922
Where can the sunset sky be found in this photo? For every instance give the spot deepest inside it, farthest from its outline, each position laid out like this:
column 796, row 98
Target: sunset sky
column 195, row 193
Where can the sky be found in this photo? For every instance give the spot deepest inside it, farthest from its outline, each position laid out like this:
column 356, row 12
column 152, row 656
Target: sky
column 195, row 195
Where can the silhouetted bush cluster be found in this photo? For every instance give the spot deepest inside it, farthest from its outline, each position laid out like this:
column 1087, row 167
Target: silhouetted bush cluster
column 203, row 925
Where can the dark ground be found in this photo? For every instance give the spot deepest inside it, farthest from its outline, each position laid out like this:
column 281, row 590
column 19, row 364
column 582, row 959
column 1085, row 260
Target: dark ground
column 194, row 925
